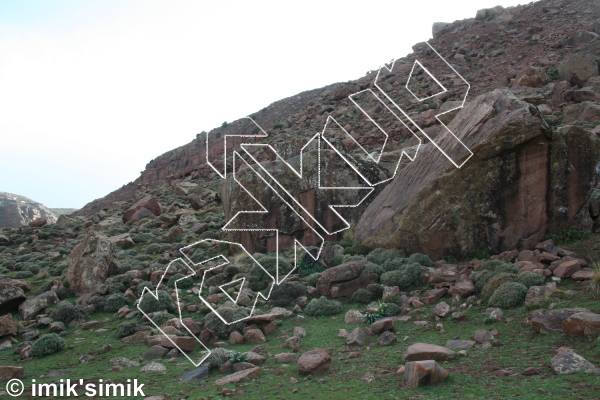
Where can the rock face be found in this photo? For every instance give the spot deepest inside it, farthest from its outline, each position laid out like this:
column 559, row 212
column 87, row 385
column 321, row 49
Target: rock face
column 16, row 211
column 517, row 163
column 90, row 263
column 306, row 190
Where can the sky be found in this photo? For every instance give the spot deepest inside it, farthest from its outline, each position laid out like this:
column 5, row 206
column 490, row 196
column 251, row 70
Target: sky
column 91, row 91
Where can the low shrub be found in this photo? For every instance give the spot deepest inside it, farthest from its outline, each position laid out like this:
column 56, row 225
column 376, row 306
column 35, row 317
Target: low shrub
column 116, row 288
column 48, row 344
column 338, row 259
column 481, row 278
column 124, row 329
column 98, row 302
column 421, row 259
column 230, row 314
column 404, row 278
column 217, row 358
column 139, row 289
column 508, row 295
column 287, row 292
column 114, row 302
column 488, row 265
column 376, row 290
column 391, row 309
column 161, row 318
column 371, row 268
column 181, row 283
column 391, row 298
column 394, row 264
column 148, row 303
column 495, row 282
column 68, row 312
column 362, row 296
column 312, row 279
column 323, row 306
column 231, row 270
column 380, row 256
column 357, row 249
column 507, row 268
column 529, row 279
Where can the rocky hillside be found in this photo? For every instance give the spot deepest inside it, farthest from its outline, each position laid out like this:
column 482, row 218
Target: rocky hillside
column 471, row 270
column 539, row 179
column 16, row 211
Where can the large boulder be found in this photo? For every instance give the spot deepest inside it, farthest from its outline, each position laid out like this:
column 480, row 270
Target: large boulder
column 582, row 324
column 493, row 200
column 11, row 296
column 429, row 372
column 566, row 361
column 31, row 307
column 342, row 273
column 316, row 362
column 145, row 207
column 551, row 321
column 90, row 263
column 578, row 68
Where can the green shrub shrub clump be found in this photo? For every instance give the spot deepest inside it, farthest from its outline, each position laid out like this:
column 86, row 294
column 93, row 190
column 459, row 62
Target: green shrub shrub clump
column 323, row 306
column 404, row 278
column 376, row 290
column 48, row 344
column 149, row 303
column 529, row 279
column 217, row 357
column 114, row 302
column 420, row 259
column 68, row 312
column 230, row 314
column 287, row 292
column 126, row 329
column 508, row 295
column 495, row 283
column 380, row 256
column 181, row 283
column 371, row 268
column 362, row 296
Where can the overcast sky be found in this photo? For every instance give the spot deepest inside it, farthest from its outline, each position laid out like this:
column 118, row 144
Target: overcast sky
column 90, row 91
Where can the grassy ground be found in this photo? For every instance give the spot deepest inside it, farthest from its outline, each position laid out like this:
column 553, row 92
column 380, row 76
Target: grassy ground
column 471, row 377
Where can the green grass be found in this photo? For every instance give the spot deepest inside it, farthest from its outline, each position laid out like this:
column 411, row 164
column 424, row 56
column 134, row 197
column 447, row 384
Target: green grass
column 470, row 377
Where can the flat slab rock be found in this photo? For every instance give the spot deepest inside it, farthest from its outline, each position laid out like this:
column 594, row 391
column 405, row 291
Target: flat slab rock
column 566, row 361
column 425, row 351
column 238, row 376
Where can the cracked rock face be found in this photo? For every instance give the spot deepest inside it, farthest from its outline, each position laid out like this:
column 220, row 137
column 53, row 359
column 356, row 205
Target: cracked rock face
column 16, row 211
column 522, row 181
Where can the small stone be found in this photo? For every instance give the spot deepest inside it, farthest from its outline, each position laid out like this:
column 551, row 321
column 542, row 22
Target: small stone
column 356, row 337
column 153, row 366
column 531, row 371
column 387, row 338
column 299, row 332
column 419, row 373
